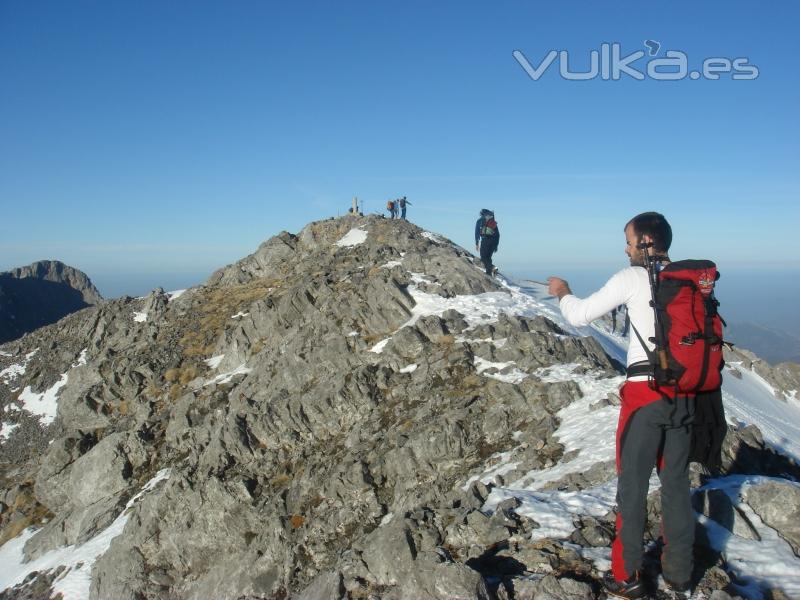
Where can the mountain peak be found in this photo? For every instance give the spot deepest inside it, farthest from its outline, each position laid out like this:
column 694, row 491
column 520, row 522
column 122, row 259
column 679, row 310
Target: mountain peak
column 41, row 293
column 352, row 411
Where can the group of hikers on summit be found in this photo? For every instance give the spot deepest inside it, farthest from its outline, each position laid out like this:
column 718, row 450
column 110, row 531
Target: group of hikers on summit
column 395, row 206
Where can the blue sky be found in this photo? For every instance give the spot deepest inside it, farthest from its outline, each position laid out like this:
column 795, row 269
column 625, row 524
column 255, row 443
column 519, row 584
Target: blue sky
column 149, row 143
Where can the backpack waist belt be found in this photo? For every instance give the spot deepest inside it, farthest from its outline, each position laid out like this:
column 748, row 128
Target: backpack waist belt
column 640, row 368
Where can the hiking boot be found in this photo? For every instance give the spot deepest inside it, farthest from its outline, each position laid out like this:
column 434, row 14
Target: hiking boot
column 678, row 591
column 630, row 589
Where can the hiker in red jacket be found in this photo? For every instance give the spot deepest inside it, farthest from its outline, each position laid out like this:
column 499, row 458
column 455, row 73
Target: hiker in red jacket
column 653, row 429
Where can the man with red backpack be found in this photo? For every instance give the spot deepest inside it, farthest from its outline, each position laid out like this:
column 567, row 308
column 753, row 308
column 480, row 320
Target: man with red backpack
column 675, row 353
column 487, row 239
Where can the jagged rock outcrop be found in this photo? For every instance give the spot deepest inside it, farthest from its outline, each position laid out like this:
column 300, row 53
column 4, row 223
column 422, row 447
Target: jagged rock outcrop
column 303, row 425
column 40, row 294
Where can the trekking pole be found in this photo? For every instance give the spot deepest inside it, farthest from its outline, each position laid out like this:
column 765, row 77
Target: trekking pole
column 534, row 281
column 652, row 278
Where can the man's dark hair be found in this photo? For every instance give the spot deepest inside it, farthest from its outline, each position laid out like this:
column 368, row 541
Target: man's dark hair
column 655, row 225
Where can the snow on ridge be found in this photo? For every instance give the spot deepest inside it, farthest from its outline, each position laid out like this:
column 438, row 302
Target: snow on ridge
column 511, row 376
column 6, row 429
column 228, row 377
column 12, row 372
column 391, row 264
column 434, row 237
column 354, row 237
column 750, row 400
column 378, row 348
column 81, row 358
column 4, row 353
column 214, row 361
column 75, row 582
column 45, row 404
column 174, row 295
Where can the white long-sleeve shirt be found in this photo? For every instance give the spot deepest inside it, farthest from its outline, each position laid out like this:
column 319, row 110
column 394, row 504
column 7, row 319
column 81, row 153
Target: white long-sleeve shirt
column 630, row 287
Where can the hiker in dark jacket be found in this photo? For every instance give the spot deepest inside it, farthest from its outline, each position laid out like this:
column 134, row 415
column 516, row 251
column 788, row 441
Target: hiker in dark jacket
column 402, row 202
column 487, row 239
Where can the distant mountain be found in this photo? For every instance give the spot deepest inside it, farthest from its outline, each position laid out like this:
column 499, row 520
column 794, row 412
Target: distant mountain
column 40, row 294
column 770, row 344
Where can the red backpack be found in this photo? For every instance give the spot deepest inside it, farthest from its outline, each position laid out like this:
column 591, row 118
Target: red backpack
column 688, row 353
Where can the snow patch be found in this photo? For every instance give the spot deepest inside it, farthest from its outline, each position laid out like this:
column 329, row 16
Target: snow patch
column 228, row 377
column 6, row 430
column 391, row 264
column 510, row 376
column 81, row 358
column 433, row 237
column 214, row 361
column 239, row 315
column 378, row 348
column 12, row 372
column 409, row 368
column 140, row 317
column 750, row 400
column 354, row 237
column 44, row 405
column 175, row 294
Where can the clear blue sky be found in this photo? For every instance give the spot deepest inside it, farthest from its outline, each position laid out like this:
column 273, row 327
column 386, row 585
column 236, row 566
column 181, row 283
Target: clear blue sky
column 148, row 143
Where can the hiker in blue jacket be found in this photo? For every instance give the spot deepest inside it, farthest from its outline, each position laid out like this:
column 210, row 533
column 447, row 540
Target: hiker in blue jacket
column 487, row 239
column 402, row 202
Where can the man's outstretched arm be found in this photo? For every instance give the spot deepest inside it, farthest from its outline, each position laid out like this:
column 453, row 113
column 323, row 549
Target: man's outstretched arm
column 582, row 311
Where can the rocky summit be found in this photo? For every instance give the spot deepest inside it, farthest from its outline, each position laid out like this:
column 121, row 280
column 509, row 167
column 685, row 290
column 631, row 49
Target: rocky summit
column 40, row 294
column 340, row 414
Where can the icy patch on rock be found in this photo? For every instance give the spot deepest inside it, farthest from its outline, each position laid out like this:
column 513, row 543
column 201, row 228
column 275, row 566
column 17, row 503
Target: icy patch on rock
column 510, row 376
column 378, row 348
column 174, row 295
column 214, row 361
column 354, row 237
column 44, row 405
column 6, row 430
column 433, row 237
column 228, row 377
column 12, row 372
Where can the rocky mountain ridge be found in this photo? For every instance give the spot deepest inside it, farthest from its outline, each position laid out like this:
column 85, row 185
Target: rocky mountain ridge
column 41, row 293
column 332, row 416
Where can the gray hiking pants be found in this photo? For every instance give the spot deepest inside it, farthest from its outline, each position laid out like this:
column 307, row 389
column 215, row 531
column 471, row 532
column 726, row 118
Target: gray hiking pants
column 653, row 432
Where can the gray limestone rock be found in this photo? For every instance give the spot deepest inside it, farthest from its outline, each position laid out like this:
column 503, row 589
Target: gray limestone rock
column 778, row 504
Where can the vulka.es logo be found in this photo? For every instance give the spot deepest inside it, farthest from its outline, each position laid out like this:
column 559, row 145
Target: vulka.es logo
column 609, row 64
